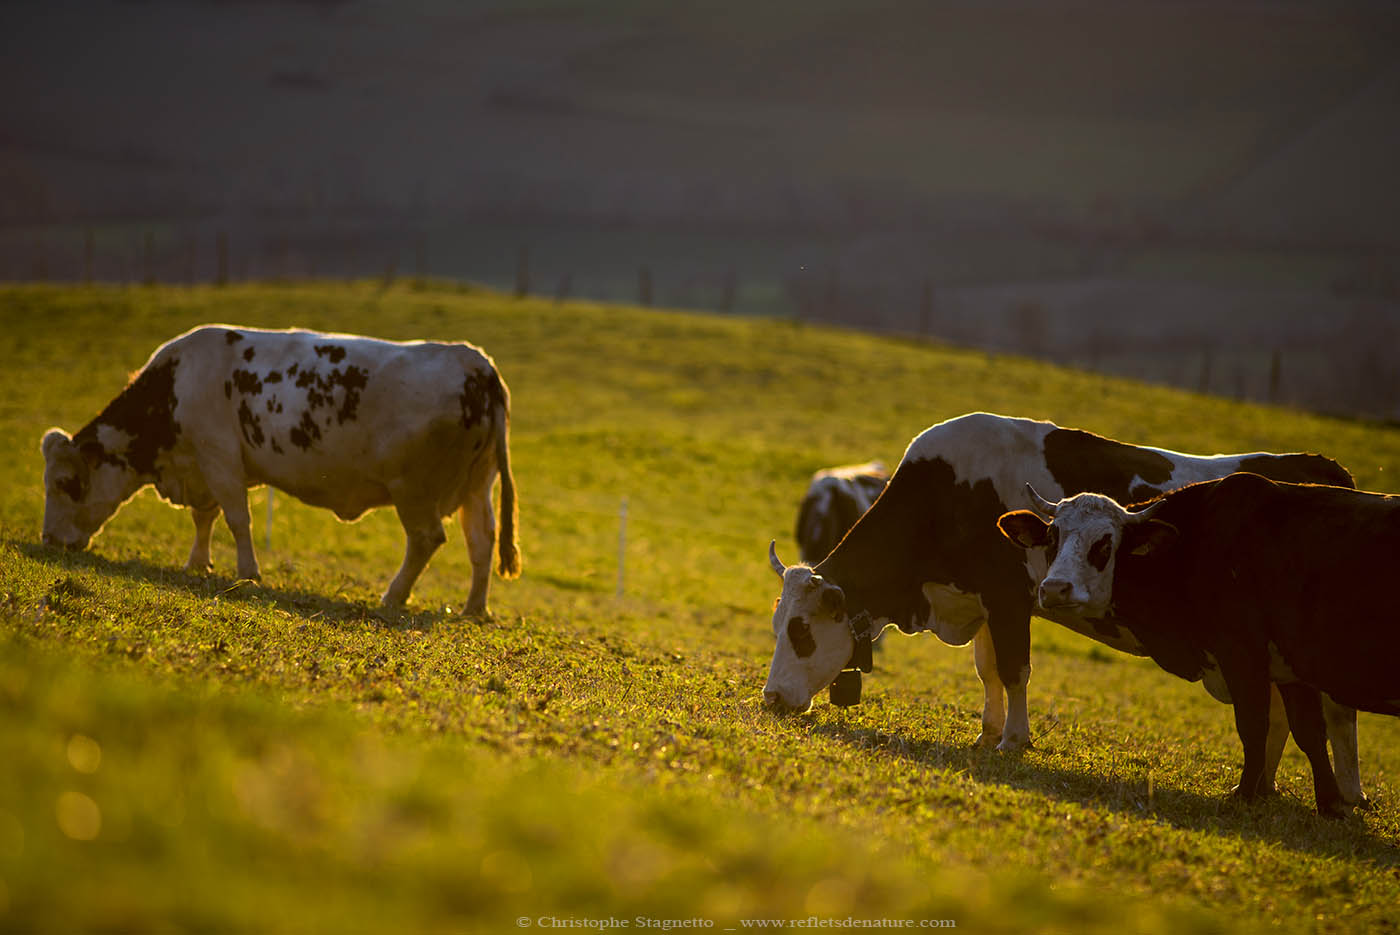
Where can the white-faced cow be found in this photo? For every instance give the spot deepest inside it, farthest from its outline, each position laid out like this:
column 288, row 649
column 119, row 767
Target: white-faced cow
column 1242, row 581
column 338, row 421
column 835, row 499
column 928, row 556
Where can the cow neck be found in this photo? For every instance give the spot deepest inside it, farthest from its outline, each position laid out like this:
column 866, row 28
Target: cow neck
column 876, row 566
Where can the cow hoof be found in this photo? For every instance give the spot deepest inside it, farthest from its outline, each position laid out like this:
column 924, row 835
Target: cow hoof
column 1334, row 811
column 1362, row 804
column 987, row 740
column 1014, row 744
column 198, row 569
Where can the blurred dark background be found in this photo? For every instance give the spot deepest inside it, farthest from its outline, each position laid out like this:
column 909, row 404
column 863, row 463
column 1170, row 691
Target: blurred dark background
column 1201, row 193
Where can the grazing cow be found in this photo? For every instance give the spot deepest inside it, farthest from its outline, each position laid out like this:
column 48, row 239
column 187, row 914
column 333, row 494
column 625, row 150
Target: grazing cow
column 1246, row 581
column 928, row 556
column 342, row 422
column 835, row 499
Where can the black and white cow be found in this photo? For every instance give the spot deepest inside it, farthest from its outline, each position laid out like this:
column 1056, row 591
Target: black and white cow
column 835, row 499
column 1242, row 582
column 342, row 422
column 928, row 556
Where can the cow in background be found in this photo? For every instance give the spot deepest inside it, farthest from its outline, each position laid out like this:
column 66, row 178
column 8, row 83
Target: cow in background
column 835, row 499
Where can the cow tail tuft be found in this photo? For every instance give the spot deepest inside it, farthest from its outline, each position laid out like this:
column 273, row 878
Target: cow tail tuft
column 509, row 566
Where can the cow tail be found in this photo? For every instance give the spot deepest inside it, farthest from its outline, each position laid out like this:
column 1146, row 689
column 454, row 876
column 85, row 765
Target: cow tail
column 509, row 549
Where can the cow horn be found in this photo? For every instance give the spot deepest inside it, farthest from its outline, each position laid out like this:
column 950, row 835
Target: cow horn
column 1144, row 514
column 773, row 558
column 1041, row 504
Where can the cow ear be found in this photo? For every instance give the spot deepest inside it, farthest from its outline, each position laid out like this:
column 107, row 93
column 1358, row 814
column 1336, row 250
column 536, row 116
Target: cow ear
column 1025, row 529
column 1151, row 536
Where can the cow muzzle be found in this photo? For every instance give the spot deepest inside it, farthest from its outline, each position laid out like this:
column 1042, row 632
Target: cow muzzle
column 1057, row 594
column 54, row 542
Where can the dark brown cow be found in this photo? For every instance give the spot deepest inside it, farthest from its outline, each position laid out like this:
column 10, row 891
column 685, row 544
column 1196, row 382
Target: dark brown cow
column 1248, row 580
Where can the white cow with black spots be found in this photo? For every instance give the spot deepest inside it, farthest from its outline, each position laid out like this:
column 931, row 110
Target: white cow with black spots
column 339, row 421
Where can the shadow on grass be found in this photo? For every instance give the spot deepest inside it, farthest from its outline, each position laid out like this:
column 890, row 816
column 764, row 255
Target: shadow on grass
column 1281, row 819
column 334, row 609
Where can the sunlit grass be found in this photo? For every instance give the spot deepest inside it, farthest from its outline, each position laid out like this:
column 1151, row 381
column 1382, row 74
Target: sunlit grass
column 193, row 752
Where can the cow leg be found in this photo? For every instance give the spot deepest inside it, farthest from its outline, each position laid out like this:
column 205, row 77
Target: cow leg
column 203, row 529
column 1275, row 742
column 478, row 520
column 240, row 523
column 1249, row 688
column 1341, row 731
column 1009, row 624
column 984, row 654
column 423, row 531
column 1305, row 719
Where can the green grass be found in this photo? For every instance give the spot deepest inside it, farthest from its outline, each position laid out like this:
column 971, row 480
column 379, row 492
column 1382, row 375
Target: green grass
column 187, row 752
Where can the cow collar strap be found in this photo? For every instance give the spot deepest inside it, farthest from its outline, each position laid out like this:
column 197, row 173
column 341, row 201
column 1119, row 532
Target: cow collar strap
column 845, row 691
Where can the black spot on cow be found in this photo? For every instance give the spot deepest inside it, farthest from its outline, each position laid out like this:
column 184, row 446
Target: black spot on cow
column 1081, row 461
column 292, row 370
column 274, row 404
column 306, row 433
column 321, row 390
column 247, row 382
column 334, row 352
column 352, row 381
column 275, row 447
column 273, row 376
column 228, row 389
column 250, row 424
column 232, row 337
column 145, row 411
column 1101, row 551
column 482, row 392
column 800, row 635
column 305, row 378
column 248, row 354
column 931, row 528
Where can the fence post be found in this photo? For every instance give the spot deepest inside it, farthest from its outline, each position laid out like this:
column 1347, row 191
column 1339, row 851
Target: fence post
column 728, row 292
column 522, row 273
column 621, row 545
column 149, row 276
column 221, row 253
column 925, row 307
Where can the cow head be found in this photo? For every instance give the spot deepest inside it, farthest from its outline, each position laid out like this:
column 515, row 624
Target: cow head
column 812, row 633
column 82, row 489
column 1085, row 536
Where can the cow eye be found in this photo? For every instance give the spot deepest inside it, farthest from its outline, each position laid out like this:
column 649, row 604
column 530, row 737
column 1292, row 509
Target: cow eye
column 1100, row 552
column 800, row 635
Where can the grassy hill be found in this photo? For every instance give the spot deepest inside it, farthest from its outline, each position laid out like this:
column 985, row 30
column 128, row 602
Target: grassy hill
column 191, row 752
